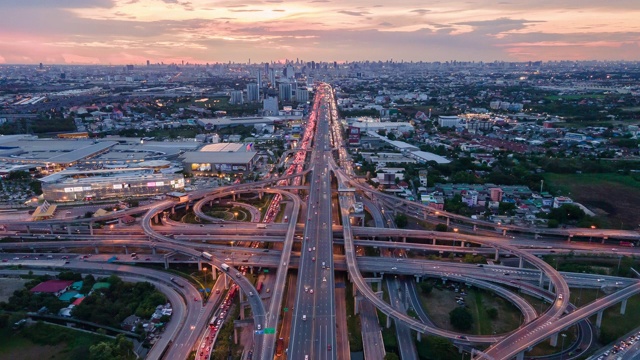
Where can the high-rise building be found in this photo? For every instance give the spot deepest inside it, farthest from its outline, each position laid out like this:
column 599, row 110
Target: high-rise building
column 272, row 77
column 266, row 68
column 284, row 91
column 259, row 78
column 302, row 95
column 148, row 63
column 290, row 72
column 253, row 92
column 236, row 97
column 270, row 106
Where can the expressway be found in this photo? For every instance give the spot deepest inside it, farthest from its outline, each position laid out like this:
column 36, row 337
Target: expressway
column 313, row 325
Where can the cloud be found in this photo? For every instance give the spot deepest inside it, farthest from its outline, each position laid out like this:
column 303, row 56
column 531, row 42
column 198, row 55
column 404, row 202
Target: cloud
column 420, row 11
column 499, row 25
column 245, row 10
column 353, row 13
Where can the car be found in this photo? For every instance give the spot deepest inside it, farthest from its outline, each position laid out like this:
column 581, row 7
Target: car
column 250, row 293
column 314, row 248
column 599, row 280
column 5, row 260
column 310, row 291
column 217, row 291
column 304, row 317
column 195, row 299
column 259, row 327
column 309, row 249
column 16, row 258
column 462, row 337
column 560, row 296
column 394, row 268
column 328, row 347
column 313, row 258
column 324, row 279
column 284, row 263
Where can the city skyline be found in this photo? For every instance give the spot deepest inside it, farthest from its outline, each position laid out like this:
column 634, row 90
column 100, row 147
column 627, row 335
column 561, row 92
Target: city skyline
column 134, row 31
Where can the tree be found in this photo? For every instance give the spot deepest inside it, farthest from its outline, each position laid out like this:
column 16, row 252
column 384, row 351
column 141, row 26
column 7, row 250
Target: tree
column 461, row 318
column 391, row 356
column 426, row 288
column 442, row 228
column 401, row 220
column 492, row 313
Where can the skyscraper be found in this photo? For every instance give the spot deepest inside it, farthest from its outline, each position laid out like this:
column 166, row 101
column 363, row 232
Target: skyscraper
column 253, row 92
column 236, row 97
column 284, row 92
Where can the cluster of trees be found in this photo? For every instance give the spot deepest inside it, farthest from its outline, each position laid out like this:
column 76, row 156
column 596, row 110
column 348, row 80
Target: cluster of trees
column 461, row 318
column 110, row 306
column 120, row 349
column 570, row 214
column 25, row 300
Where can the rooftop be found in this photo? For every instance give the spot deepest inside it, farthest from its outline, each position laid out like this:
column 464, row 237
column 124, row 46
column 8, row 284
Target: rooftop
column 51, row 286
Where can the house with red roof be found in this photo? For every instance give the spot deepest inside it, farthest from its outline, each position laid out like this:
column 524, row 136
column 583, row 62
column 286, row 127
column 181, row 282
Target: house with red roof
column 55, row 287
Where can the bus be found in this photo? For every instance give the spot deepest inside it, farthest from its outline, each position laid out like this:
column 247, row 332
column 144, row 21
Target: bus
column 225, row 267
column 206, row 255
column 279, row 346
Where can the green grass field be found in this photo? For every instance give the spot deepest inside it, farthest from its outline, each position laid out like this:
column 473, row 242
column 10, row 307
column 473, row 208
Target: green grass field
column 614, row 198
column 43, row 341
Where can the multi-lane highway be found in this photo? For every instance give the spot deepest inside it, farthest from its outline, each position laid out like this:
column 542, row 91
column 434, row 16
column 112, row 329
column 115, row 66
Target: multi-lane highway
column 313, row 327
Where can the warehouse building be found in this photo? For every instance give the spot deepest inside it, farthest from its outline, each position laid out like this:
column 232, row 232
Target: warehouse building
column 221, row 158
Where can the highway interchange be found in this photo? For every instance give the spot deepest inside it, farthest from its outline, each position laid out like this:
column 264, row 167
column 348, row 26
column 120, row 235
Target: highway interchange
column 322, row 224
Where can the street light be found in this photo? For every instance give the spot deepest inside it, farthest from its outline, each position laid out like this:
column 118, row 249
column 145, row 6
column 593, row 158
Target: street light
column 564, row 336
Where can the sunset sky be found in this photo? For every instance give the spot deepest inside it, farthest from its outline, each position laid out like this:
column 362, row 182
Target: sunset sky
column 133, row 31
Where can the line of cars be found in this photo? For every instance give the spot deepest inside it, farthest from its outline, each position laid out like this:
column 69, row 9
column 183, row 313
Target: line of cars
column 622, row 346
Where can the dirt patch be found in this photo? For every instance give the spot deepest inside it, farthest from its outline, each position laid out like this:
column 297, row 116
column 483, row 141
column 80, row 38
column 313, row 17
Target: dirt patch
column 8, row 286
column 438, row 304
column 34, row 352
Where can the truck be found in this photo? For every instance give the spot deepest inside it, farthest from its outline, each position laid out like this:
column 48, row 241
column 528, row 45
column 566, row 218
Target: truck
column 206, row 255
column 626, row 243
column 261, row 226
column 225, row 267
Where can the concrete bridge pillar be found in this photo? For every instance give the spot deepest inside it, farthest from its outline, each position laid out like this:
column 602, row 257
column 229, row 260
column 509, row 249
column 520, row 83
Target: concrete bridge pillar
column 404, row 239
column 356, row 303
column 496, row 257
column 153, row 250
column 126, row 250
column 448, row 221
column 186, row 206
column 541, row 279
column 214, row 273
column 623, row 306
column 91, row 228
column 379, row 294
column 199, row 265
column 433, row 242
column 418, row 278
column 28, row 229
column 475, row 228
column 96, row 250
column 260, row 195
column 504, row 232
column 424, row 215
column 569, row 238
column 418, row 336
column 166, row 263
column 520, row 356
column 463, row 244
column 521, row 264
column 226, row 282
column 599, row 319
column 241, row 311
column 251, row 270
column 173, row 210
column 68, row 229
column 234, row 197
column 388, row 321
column 51, row 228
column 550, row 286
column 235, row 335
column 554, row 340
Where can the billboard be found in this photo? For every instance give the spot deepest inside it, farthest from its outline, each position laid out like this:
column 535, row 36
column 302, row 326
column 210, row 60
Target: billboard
column 354, row 135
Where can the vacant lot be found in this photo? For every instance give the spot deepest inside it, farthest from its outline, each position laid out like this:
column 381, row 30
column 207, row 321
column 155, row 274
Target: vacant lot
column 8, row 286
column 439, row 303
column 613, row 197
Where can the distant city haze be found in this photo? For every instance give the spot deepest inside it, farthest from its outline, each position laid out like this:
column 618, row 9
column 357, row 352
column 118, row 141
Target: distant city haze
column 201, row 31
